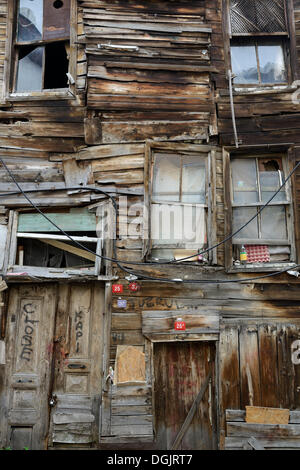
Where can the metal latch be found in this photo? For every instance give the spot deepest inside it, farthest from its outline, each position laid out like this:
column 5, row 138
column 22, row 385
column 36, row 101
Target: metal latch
column 53, row 400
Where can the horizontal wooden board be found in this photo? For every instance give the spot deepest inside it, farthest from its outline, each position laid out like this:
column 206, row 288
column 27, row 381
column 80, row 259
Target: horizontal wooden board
column 258, row 414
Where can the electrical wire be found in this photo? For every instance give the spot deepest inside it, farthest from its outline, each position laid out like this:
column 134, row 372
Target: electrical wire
column 206, row 250
column 119, row 262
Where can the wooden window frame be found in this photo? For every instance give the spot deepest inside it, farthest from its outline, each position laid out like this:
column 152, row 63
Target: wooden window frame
column 157, row 147
column 11, row 268
column 10, row 60
column 287, row 162
column 288, row 43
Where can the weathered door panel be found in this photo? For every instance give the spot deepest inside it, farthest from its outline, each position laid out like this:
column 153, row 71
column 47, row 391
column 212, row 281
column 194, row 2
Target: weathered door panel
column 31, row 313
column 180, row 370
column 77, row 364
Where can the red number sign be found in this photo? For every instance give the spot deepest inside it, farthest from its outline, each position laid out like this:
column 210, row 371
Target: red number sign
column 179, row 324
column 134, row 286
column 117, row 288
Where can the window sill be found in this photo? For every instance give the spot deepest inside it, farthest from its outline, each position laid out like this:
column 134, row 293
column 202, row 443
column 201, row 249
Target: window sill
column 260, row 90
column 19, row 273
column 61, row 94
column 261, row 267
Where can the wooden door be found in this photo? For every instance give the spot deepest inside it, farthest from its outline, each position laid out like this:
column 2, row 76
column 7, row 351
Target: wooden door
column 180, row 370
column 54, row 355
column 31, row 313
column 76, row 385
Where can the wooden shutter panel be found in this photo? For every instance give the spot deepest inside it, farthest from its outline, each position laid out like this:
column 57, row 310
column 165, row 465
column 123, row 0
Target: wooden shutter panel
column 257, row 16
column 56, row 19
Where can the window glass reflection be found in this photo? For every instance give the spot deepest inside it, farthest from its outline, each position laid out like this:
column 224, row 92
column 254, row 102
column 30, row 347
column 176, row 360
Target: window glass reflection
column 30, row 70
column 30, row 20
column 272, row 67
column 244, row 64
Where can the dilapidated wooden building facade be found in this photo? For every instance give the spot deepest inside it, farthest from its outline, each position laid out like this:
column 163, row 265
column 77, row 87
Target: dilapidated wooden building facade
column 129, row 108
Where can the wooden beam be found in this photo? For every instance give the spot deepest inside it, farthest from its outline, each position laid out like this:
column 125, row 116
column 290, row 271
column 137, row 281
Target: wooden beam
column 70, row 249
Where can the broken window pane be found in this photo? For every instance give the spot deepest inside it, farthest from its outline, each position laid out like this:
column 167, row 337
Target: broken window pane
column 30, row 69
column 273, row 223
column 241, row 215
column 56, row 76
column 271, row 61
column 244, row 180
column 271, row 178
column 166, row 178
column 30, row 20
column 193, row 180
column 244, row 63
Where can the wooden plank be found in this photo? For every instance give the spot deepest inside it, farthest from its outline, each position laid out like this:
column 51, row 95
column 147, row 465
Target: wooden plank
column 249, row 366
column 264, row 415
column 255, row 444
column 262, row 430
column 70, row 249
column 267, row 337
column 154, row 322
column 241, row 443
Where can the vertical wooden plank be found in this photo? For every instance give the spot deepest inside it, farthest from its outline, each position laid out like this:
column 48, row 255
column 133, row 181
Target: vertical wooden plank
column 249, row 362
column 229, row 368
column 267, row 337
column 96, row 352
column 293, row 369
column 284, row 366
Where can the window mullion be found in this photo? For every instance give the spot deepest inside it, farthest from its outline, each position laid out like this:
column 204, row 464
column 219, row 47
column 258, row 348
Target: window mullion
column 257, row 60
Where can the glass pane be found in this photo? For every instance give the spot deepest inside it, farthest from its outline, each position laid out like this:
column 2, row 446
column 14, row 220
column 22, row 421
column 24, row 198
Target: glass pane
column 30, row 68
column 193, row 180
column 272, row 66
column 244, row 180
column 244, row 64
column 271, row 178
column 166, row 178
column 30, row 20
column 240, row 216
column 273, row 223
column 178, row 224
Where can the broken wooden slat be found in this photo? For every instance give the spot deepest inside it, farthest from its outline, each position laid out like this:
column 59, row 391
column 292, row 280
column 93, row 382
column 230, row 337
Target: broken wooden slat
column 255, row 444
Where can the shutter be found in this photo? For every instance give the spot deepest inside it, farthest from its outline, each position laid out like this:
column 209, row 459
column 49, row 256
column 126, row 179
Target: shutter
column 258, row 16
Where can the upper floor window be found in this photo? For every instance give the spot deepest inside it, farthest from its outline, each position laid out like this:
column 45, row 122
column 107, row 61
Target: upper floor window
column 40, row 46
column 259, row 42
column 180, row 204
column 268, row 238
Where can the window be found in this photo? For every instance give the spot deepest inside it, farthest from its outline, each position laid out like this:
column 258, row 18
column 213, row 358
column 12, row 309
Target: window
column 38, row 248
column 179, row 199
column 259, row 42
column 268, row 238
column 40, row 46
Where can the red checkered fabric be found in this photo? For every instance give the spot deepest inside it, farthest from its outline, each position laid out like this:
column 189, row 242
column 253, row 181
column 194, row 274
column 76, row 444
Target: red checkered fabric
column 257, row 253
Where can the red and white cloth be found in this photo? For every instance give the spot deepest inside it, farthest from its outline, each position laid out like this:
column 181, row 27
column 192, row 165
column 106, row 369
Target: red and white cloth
column 257, row 253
